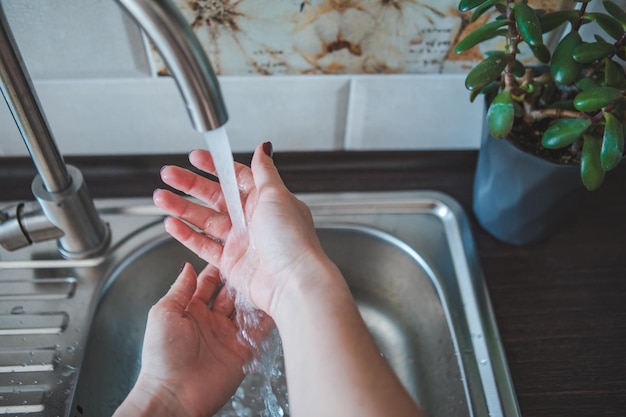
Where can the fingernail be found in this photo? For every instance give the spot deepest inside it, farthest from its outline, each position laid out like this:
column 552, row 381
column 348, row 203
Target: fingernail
column 182, row 267
column 268, row 149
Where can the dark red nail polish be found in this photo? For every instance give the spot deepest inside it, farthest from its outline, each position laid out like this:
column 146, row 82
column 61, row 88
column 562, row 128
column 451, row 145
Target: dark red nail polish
column 268, row 149
column 182, row 267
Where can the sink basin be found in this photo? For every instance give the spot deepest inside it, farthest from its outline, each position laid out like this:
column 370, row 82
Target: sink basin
column 408, row 258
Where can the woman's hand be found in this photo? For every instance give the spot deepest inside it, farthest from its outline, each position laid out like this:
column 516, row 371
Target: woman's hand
column 280, row 240
column 192, row 361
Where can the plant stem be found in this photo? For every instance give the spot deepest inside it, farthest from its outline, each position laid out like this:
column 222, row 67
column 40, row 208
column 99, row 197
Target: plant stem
column 509, row 78
column 536, row 115
column 578, row 23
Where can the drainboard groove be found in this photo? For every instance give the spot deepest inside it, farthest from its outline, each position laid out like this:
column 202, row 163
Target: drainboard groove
column 37, row 289
column 32, row 324
column 22, row 399
column 30, row 360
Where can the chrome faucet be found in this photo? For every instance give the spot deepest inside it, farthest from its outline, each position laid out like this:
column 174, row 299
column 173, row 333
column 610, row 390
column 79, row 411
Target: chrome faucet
column 63, row 209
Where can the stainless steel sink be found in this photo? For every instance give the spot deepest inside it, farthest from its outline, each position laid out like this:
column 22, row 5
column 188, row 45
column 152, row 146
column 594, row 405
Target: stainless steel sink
column 71, row 340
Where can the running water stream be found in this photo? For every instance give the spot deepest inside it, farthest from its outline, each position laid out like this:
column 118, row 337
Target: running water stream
column 219, row 146
column 263, row 391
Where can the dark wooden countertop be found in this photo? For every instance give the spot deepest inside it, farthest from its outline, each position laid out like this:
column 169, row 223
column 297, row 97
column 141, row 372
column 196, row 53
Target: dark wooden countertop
column 560, row 304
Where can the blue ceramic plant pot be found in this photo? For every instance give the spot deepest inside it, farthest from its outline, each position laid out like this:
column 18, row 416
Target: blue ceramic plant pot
column 520, row 198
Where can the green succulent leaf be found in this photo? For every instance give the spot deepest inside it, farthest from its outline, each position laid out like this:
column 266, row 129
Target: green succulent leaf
column 587, row 84
column 528, row 24
column 563, row 105
column 616, row 11
column 483, row 33
column 465, row 5
column 612, row 142
column 591, row 170
column 518, row 68
column 486, row 71
column 501, row 115
column 553, row 20
column 480, row 10
column 614, row 75
column 564, row 69
column 541, row 52
column 597, row 98
column 609, row 24
column 564, row 132
column 586, row 53
column 490, row 90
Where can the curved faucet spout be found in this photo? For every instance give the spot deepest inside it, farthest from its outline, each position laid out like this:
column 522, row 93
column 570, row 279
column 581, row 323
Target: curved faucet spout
column 185, row 58
column 67, row 211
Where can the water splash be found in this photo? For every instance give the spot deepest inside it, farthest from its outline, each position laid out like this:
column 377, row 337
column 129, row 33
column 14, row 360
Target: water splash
column 219, row 146
column 263, row 392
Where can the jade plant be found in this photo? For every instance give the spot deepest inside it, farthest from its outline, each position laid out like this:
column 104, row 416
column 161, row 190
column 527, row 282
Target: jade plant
column 571, row 104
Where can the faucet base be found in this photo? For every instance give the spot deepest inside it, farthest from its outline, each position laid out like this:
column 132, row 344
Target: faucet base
column 72, row 211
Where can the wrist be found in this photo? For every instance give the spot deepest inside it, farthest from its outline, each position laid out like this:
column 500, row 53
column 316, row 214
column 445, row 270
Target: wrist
column 317, row 283
column 150, row 398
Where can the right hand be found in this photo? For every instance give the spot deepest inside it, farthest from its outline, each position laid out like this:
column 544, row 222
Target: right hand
column 280, row 241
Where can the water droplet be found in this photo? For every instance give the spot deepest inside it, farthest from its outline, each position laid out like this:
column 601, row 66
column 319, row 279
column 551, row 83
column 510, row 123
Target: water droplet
column 483, row 362
column 18, row 310
column 70, row 349
column 68, row 370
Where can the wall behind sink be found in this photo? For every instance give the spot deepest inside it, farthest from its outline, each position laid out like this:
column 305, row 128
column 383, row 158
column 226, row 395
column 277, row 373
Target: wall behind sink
column 308, row 75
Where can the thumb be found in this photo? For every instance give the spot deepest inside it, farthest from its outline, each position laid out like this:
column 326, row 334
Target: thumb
column 264, row 171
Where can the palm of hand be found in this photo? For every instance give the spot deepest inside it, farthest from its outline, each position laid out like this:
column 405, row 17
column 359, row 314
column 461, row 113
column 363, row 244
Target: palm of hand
column 271, row 237
column 189, row 346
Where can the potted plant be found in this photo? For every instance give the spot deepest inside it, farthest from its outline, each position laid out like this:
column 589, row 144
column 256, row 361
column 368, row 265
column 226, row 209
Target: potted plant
column 551, row 128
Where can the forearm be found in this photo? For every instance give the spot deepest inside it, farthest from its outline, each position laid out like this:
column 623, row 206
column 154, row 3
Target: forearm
column 332, row 364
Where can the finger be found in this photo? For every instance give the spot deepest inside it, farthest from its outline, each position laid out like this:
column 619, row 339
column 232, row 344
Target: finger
column 208, row 284
column 225, row 301
column 203, row 160
column 263, row 169
column 204, row 218
column 182, row 289
column 204, row 246
column 195, row 185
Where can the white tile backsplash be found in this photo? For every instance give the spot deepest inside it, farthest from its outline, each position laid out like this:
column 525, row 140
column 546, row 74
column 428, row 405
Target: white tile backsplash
column 302, row 113
column 297, row 113
column 412, row 112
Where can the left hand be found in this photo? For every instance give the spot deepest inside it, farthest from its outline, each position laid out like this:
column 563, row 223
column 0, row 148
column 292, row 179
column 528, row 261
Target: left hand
column 192, row 361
